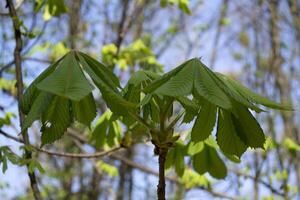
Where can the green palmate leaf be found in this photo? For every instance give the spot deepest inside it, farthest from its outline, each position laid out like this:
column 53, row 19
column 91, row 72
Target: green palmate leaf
column 208, row 161
column 32, row 92
column 133, row 90
column 97, row 69
column 205, row 122
column 179, row 85
column 56, row 120
column 252, row 96
column 232, row 92
column 85, row 109
column 190, row 77
column 206, row 87
column 100, row 75
column 248, row 128
column 67, row 80
column 188, row 104
column 133, row 93
column 38, row 107
column 163, row 79
column 227, row 137
column 115, row 101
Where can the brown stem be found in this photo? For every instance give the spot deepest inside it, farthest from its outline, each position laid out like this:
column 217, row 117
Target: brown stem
column 161, row 187
column 120, row 35
column 74, row 22
column 19, row 84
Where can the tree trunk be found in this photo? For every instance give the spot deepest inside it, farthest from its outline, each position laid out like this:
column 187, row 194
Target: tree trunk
column 161, row 187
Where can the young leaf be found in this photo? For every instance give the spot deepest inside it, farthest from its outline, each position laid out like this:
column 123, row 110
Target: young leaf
column 107, row 131
column 85, row 109
column 179, row 85
column 208, row 161
column 205, row 122
column 191, row 76
column 56, row 120
column 252, row 96
column 191, row 108
column 179, row 159
column 247, row 128
column 206, row 87
column 114, row 133
column 95, row 68
column 163, row 79
column 194, row 148
column 67, row 80
column 32, row 92
column 227, row 137
column 170, row 158
column 105, row 81
column 99, row 133
column 232, row 92
column 115, row 101
column 141, row 76
column 37, row 109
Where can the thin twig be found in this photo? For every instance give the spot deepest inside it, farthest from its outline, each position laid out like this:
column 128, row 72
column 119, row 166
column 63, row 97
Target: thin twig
column 64, row 154
column 79, row 155
column 11, row 63
column 120, row 35
column 224, row 9
column 19, row 84
column 11, row 137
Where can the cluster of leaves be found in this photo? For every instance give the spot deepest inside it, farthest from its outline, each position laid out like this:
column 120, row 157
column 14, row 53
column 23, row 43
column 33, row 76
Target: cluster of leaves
column 191, row 179
column 56, row 50
column 6, row 154
column 63, row 94
column 136, row 54
column 111, row 170
column 6, row 119
column 107, row 131
column 183, row 5
column 51, row 8
column 8, row 86
column 222, row 102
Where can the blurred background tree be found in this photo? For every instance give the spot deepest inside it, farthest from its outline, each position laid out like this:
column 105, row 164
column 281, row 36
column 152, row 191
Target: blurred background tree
column 257, row 41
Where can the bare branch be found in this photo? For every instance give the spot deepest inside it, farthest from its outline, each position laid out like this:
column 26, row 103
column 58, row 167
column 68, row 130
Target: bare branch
column 19, row 84
column 64, row 154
